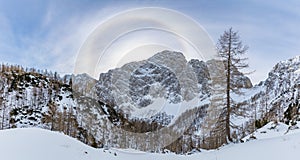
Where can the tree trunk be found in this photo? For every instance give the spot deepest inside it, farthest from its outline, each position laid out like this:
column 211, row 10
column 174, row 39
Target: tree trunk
column 228, row 90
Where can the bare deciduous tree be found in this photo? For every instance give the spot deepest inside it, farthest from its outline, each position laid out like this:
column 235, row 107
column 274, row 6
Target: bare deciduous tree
column 231, row 50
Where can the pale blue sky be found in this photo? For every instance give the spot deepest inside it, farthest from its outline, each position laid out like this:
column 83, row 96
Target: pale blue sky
column 48, row 34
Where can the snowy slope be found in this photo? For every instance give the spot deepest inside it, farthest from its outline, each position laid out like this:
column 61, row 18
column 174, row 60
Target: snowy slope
column 282, row 147
column 36, row 144
column 271, row 130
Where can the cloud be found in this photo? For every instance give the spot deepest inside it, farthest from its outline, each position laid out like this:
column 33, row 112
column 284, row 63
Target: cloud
column 53, row 44
column 269, row 28
column 59, row 33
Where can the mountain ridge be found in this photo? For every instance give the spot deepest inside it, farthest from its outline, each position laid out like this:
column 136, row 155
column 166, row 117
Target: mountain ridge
column 33, row 98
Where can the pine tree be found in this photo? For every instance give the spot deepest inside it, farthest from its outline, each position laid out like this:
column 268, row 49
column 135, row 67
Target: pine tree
column 231, row 50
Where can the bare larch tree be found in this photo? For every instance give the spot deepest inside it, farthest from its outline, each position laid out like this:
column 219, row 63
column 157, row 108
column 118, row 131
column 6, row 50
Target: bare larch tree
column 231, row 50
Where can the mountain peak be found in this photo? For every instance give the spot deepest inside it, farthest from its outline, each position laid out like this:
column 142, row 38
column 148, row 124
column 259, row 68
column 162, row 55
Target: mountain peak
column 168, row 54
column 290, row 65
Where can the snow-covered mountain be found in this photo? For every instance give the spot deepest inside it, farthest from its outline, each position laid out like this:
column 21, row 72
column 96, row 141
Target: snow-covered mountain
column 159, row 84
column 276, row 98
column 165, row 84
column 137, row 85
column 163, row 92
column 31, row 98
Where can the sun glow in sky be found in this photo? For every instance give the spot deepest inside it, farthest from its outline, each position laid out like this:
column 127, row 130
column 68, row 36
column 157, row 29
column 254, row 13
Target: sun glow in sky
column 49, row 34
column 139, row 34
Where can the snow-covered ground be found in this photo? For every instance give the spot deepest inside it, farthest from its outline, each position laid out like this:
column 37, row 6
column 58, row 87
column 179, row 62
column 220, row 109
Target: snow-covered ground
column 273, row 142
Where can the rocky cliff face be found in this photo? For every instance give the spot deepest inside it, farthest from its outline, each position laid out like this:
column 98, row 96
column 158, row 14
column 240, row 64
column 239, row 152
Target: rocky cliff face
column 276, row 98
column 272, row 97
column 136, row 85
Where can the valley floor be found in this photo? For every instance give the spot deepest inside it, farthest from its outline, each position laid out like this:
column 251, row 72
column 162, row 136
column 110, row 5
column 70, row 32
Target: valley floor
column 272, row 141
